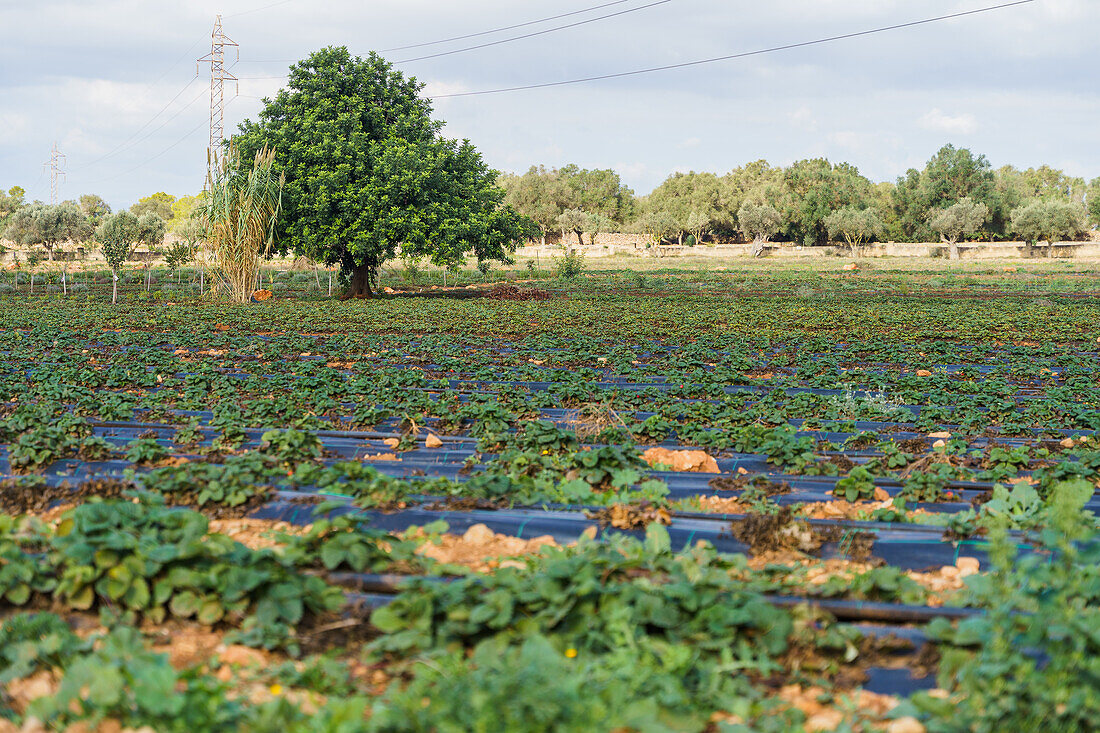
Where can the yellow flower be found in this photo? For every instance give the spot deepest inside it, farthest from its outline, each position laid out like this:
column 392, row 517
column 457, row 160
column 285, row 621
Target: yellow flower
column 570, row 652
column 276, row 689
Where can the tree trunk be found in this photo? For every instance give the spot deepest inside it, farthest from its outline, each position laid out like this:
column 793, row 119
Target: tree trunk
column 579, row 233
column 1028, row 253
column 757, row 247
column 1050, row 249
column 360, row 283
column 680, row 239
column 544, row 238
column 114, row 286
column 954, row 249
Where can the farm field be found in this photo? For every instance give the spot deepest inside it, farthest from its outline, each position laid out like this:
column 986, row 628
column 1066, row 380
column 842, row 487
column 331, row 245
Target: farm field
column 803, row 499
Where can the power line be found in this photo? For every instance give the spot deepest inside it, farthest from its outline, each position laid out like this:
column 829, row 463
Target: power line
column 462, row 37
column 504, row 28
column 151, row 158
column 744, row 54
column 535, row 33
column 256, row 10
column 118, row 148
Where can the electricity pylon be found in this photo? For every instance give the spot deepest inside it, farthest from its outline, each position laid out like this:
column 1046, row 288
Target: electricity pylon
column 218, row 77
column 56, row 168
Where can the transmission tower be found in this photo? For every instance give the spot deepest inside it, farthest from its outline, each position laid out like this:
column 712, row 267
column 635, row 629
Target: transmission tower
column 218, row 77
column 55, row 167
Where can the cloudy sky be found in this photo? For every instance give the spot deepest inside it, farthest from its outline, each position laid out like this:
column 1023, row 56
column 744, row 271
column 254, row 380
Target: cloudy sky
column 114, row 83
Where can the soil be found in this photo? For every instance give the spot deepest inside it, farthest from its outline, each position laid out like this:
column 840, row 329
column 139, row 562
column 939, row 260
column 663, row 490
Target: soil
column 913, row 445
column 465, row 504
column 765, row 533
column 737, row 483
column 631, row 516
column 483, row 550
column 694, row 461
column 512, row 292
column 19, row 498
column 256, row 534
column 48, row 502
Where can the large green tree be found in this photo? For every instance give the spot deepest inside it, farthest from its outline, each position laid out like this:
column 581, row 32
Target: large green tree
column 1092, row 197
column 94, row 207
column 692, row 200
column 48, row 225
column 1053, row 221
column 367, row 171
column 540, row 194
column 815, row 189
column 159, row 203
column 951, row 175
column 9, row 202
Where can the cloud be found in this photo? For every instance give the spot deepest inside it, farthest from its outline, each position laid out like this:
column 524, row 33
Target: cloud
column 939, row 121
column 803, row 119
column 691, row 142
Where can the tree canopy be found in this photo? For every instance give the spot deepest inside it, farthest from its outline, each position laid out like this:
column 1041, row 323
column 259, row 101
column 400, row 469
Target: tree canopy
column 1052, row 221
column 159, row 203
column 10, row 201
column 951, row 175
column 48, row 225
column 367, row 171
column 94, row 207
column 960, row 219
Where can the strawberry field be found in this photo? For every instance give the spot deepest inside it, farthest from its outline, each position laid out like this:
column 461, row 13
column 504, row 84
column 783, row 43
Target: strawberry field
column 674, row 505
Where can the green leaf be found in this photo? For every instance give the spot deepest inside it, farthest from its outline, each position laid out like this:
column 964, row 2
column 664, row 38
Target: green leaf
column 657, row 541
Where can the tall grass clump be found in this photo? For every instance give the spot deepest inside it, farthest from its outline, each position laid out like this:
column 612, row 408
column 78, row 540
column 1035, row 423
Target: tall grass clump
column 238, row 215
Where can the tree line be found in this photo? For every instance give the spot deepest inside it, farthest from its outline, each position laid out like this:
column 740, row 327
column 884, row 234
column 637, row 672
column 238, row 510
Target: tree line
column 956, row 196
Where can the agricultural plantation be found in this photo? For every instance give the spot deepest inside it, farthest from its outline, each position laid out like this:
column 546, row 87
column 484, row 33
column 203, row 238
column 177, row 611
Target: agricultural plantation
column 336, row 446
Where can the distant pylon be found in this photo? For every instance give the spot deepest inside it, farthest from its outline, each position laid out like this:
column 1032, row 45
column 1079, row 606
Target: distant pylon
column 55, row 166
column 218, row 77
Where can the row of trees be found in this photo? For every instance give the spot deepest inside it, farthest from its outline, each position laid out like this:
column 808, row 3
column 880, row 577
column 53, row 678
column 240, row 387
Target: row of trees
column 957, row 195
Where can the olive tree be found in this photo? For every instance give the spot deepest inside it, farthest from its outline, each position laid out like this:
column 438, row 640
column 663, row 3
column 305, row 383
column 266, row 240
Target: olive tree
column 655, row 226
column 367, row 172
column 48, row 225
column 758, row 223
column 575, row 221
column 1053, row 221
column 960, row 219
column 540, row 194
column 118, row 236
column 94, row 207
column 854, row 225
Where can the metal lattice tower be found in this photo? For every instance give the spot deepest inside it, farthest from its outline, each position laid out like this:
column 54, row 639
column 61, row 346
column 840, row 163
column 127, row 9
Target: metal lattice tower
column 56, row 168
column 218, row 77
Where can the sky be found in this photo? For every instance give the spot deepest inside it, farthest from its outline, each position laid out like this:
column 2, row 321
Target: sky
column 114, row 83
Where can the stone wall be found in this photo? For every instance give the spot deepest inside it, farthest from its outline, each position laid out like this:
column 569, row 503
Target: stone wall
column 608, row 245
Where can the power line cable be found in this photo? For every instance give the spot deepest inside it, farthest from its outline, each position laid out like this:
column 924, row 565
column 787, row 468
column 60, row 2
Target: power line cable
column 505, row 28
column 535, row 33
column 744, row 54
column 493, row 43
column 256, row 10
column 151, row 158
column 118, row 148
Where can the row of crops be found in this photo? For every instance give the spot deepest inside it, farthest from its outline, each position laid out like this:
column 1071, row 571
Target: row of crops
column 598, row 512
